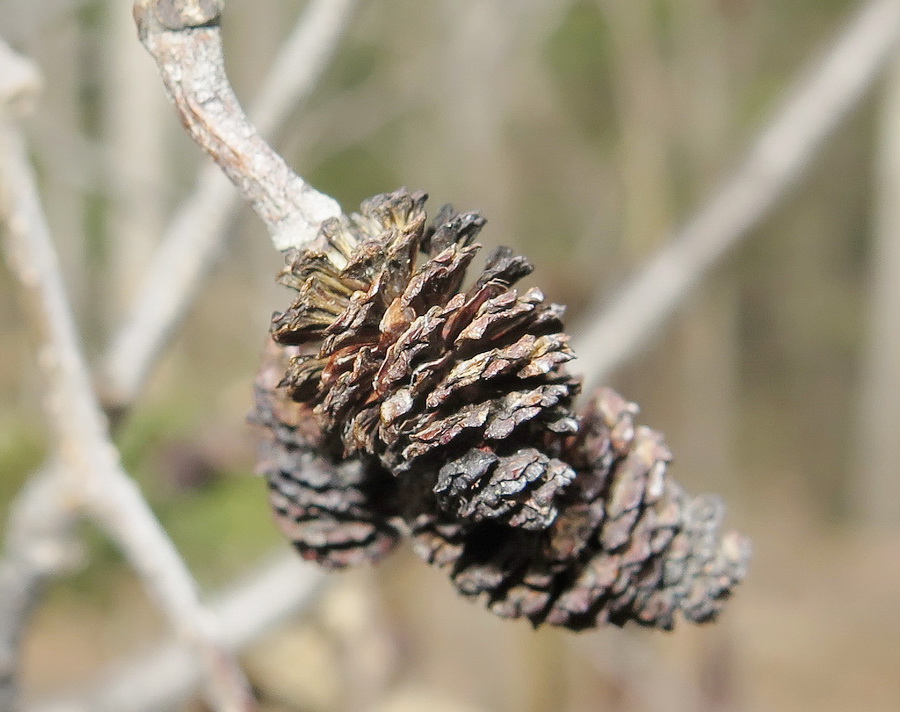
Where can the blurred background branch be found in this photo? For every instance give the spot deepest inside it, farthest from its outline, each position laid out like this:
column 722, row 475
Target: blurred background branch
column 92, row 479
column 39, row 543
column 164, row 678
column 35, row 525
column 832, row 85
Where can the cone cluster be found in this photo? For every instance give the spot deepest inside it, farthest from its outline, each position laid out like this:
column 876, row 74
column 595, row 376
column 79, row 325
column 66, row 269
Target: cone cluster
column 399, row 401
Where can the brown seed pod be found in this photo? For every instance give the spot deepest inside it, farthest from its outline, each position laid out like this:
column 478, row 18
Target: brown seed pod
column 398, row 401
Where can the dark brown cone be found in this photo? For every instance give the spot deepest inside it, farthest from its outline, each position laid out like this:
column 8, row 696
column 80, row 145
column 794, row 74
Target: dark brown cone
column 335, row 512
column 628, row 545
column 422, row 376
column 411, row 404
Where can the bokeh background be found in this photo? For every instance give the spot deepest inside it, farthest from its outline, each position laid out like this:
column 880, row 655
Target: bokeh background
column 584, row 131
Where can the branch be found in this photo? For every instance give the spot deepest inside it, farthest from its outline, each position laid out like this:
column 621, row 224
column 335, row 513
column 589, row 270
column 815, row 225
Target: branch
column 20, row 82
column 39, row 524
column 38, row 531
column 38, row 544
column 833, row 85
column 92, row 478
column 196, row 232
column 184, row 38
column 165, row 677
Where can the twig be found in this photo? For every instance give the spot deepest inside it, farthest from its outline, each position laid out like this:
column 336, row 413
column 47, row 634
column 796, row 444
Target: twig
column 165, row 677
column 184, row 38
column 38, row 545
column 20, row 82
column 37, row 533
column 189, row 245
column 178, row 268
column 92, row 477
column 832, row 87
column 301, row 61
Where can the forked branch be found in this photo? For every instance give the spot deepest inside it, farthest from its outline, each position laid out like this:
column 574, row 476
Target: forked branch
column 38, row 543
column 92, row 479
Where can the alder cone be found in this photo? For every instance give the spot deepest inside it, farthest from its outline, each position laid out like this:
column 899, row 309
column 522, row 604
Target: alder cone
column 336, row 512
column 398, row 401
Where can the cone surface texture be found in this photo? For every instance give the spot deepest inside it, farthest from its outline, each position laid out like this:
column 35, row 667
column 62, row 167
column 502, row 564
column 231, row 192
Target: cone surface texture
column 401, row 400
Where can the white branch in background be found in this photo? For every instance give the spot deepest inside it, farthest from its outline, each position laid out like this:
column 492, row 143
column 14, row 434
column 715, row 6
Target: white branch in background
column 92, row 477
column 20, row 82
column 162, row 679
column 184, row 38
column 38, row 544
column 190, row 244
column 38, row 531
column 832, row 86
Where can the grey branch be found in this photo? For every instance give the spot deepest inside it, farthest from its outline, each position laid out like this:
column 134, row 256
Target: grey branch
column 184, row 39
column 38, row 545
column 196, row 232
column 91, row 477
column 38, row 530
column 39, row 526
column 831, row 87
column 20, row 82
column 165, row 677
